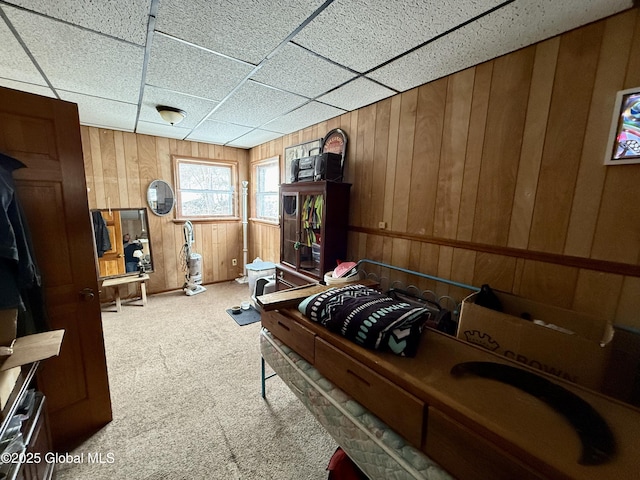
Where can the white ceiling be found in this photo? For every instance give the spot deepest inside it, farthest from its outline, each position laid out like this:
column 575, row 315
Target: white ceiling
column 249, row 71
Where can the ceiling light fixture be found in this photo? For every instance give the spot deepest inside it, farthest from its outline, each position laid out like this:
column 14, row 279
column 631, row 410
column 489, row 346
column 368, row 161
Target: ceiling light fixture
column 171, row 115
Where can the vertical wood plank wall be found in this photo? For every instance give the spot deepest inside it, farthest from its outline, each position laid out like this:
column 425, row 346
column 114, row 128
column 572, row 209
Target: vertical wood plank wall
column 119, row 167
column 491, row 175
column 263, row 237
column 495, row 174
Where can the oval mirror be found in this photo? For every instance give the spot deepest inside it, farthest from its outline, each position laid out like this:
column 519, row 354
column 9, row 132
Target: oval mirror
column 160, row 197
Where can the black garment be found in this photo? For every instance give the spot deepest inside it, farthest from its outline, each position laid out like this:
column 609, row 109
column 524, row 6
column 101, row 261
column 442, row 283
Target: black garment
column 20, row 283
column 488, row 299
column 130, row 261
column 17, row 267
column 100, row 231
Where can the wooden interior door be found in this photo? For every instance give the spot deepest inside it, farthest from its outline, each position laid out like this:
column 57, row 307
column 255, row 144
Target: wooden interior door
column 112, row 261
column 44, row 134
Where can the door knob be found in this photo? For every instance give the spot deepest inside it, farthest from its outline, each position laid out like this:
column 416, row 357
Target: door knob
column 87, row 294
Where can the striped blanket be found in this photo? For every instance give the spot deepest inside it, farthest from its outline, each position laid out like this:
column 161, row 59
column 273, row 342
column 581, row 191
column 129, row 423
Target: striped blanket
column 368, row 318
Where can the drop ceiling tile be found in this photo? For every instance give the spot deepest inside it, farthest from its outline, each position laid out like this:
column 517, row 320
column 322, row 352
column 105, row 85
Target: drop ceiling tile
column 243, row 29
column 379, row 30
column 254, row 104
column 196, row 108
column 177, row 66
column 296, row 70
column 15, row 64
column 427, row 64
column 123, row 19
column 98, row 67
column 254, row 138
column 100, row 112
column 356, row 94
column 512, row 27
column 162, row 130
column 77, row 60
column 307, row 115
column 27, row 87
column 217, row 132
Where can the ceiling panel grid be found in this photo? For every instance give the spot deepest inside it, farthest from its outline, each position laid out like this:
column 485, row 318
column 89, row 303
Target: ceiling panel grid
column 248, row 71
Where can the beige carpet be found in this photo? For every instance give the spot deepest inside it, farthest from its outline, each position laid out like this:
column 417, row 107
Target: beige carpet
column 185, row 388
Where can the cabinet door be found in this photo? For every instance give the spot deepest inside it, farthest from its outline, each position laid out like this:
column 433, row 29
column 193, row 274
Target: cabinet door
column 290, row 230
column 302, row 223
column 311, row 225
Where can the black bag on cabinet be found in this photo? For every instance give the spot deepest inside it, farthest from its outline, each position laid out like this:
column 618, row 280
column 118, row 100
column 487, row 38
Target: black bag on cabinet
column 293, row 174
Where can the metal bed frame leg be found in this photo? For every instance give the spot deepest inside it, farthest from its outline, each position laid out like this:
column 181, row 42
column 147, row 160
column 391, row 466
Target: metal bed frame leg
column 264, row 377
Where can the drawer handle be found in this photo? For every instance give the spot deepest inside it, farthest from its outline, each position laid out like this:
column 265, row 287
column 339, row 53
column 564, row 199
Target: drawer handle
column 358, row 377
column 283, row 325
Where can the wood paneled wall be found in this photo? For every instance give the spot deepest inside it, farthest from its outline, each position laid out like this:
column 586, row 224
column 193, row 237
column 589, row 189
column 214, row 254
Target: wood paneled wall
column 119, row 167
column 264, row 238
column 495, row 174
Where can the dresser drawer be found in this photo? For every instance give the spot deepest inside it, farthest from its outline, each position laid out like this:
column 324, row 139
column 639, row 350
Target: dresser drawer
column 400, row 410
column 291, row 333
column 466, row 454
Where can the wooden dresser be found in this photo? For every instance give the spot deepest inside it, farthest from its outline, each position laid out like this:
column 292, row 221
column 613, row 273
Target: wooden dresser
column 475, row 428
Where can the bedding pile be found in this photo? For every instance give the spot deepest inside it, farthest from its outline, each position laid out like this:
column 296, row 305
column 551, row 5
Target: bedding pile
column 368, row 318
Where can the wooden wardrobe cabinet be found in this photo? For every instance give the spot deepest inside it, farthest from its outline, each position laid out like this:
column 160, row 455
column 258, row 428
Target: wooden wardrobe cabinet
column 313, row 231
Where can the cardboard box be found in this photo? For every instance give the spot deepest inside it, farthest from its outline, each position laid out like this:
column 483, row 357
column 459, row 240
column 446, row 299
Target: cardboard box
column 25, row 350
column 8, row 380
column 32, row 348
column 580, row 357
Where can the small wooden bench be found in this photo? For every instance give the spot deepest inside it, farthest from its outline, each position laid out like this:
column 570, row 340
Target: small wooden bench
column 117, row 281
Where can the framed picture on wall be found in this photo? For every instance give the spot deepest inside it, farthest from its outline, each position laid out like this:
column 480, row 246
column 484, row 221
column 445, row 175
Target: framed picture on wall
column 624, row 137
column 298, row 151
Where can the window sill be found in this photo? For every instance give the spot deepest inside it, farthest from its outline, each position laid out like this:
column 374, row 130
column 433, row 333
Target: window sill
column 273, row 223
column 207, row 220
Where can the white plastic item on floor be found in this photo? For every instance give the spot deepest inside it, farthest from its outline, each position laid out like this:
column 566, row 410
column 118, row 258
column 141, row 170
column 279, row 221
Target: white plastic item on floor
column 257, row 269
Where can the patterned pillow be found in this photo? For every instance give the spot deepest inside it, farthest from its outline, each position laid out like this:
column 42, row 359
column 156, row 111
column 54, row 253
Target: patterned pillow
column 368, row 318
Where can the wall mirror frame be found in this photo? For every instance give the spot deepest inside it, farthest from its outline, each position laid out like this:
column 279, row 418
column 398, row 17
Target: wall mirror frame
column 122, row 241
column 160, row 197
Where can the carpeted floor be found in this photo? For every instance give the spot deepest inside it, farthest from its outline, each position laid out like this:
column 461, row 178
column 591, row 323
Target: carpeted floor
column 185, row 389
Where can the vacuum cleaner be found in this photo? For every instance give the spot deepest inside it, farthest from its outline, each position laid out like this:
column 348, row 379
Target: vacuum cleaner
column 191, row 262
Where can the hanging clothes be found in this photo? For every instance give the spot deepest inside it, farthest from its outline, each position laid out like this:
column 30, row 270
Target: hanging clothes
column 101, row 233
column 20, row 283
column 311, row 218
column 18, row 268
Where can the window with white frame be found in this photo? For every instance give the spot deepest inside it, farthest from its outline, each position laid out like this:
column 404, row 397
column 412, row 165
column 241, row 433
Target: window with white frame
column 205, row 189
column 266, row 181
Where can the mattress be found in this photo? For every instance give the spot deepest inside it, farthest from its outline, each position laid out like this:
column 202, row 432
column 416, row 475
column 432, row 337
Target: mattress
column 371, row 444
